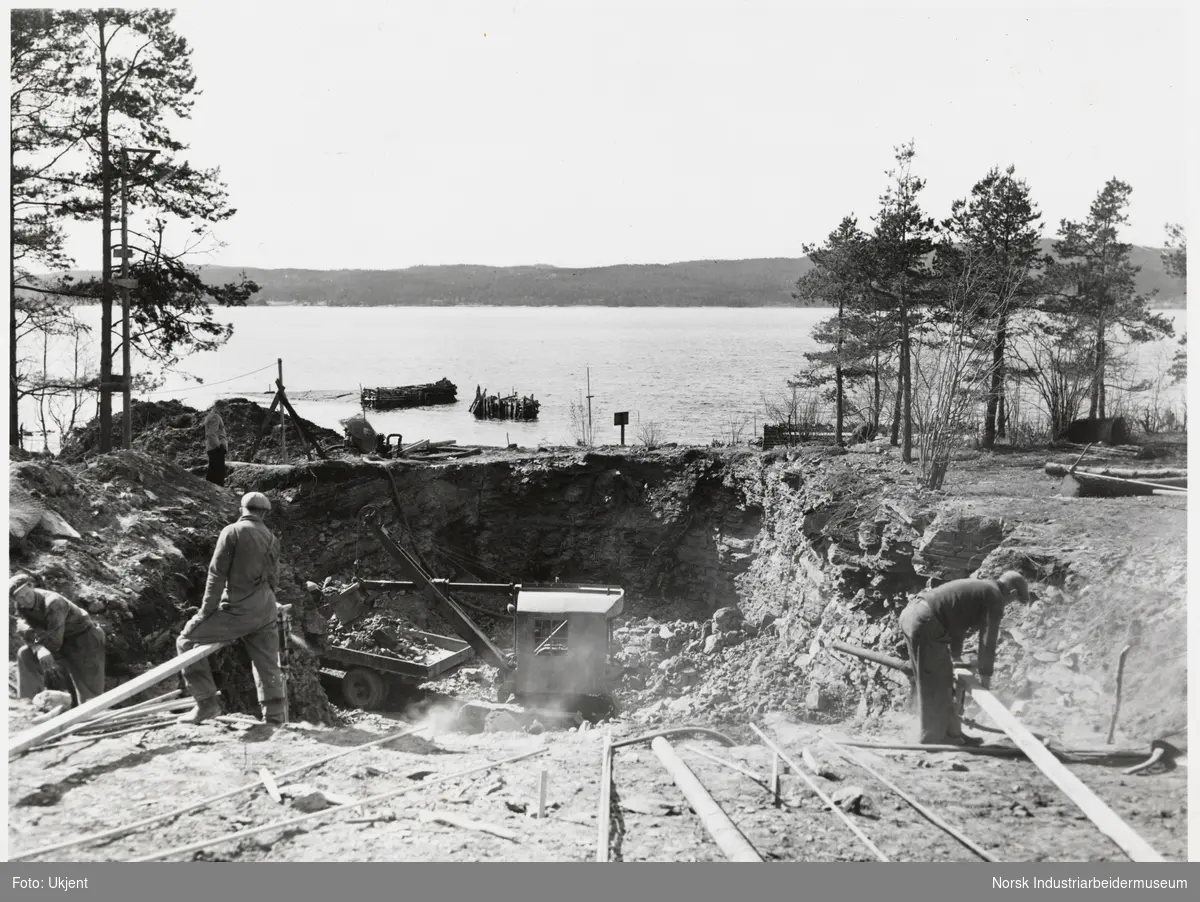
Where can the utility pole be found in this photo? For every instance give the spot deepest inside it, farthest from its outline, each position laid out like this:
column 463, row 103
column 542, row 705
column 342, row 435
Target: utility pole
column 589, row 400
column 109, row 382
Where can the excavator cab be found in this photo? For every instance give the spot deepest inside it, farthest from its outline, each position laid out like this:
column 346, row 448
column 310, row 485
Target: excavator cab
column 561, row 638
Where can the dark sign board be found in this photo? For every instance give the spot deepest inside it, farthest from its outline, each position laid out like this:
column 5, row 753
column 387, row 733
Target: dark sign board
column 621, row 418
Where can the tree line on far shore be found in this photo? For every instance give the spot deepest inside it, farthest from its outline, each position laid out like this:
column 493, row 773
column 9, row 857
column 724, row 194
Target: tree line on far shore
column 935, row 318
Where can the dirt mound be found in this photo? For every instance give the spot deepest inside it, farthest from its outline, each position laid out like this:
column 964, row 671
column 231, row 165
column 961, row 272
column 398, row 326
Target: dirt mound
column 130, row 541
column 384, row 634
column 176, row 431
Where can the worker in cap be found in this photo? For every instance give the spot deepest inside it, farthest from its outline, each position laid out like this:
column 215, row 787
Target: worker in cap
column 216, row 444
column 239, row 603
column 52, row 626
column 935, row 625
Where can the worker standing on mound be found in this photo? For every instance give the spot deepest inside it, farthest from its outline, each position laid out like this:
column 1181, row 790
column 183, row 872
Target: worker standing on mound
column 935, row 624
column 216, row 443
column 52, row 625
column 239, row 603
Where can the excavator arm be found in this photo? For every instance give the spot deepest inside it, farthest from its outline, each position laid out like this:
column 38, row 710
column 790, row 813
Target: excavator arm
column 463, row 624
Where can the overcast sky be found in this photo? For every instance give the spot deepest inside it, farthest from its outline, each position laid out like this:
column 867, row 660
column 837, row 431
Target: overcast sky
column 354, row 135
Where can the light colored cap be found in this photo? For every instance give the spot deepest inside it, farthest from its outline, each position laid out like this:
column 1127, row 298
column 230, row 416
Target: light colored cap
column 256, row 501
column 18, row 582
column 1015, row 584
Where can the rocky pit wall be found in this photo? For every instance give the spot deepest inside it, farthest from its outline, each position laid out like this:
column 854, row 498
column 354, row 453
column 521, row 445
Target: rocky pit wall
column 739, row 568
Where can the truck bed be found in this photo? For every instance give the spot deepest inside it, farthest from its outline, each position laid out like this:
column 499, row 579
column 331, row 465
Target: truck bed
column 456, row 652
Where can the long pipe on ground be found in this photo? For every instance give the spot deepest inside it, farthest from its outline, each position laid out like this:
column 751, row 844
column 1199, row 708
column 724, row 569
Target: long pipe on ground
column 1105, row 819
column 604, row 818
column 921, row 809
column 824, row 798
column 723, row 831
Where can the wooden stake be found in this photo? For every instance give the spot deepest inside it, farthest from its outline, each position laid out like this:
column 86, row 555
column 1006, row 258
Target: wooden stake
column 282, row 413
column 372, row 800
column 542, row 794
column 924, row 812
column 775, row 779
column 723, row 830
column 1112, row 723
column 1105, row 819
column 824, row 798
column 35, row 735
column 604, row 818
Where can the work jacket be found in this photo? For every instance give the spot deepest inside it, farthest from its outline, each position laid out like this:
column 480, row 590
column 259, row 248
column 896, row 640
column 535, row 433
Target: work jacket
column 53, row 619
column 214, row 432
column 963, row 605
column 244, row 572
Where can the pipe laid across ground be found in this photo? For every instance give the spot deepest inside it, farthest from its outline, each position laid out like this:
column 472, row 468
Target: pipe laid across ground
column 723, row 831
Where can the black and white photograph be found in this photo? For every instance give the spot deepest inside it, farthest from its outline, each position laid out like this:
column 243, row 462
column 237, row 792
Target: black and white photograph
column 615, row 432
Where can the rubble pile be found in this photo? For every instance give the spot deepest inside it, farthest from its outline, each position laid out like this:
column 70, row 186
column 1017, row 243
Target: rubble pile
column 383, row 634
column 175, row 431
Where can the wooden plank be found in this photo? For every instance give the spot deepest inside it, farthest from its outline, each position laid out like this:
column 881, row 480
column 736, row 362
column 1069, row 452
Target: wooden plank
column 22, row 742
column 724, row 831
column 1167, row 474
column 604, row 818
column 270, row 785
column 1105, row 819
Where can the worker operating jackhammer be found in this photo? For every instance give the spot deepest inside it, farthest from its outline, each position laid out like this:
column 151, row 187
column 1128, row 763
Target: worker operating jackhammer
column 52, row 626
column 239, row 603
column 935, row 625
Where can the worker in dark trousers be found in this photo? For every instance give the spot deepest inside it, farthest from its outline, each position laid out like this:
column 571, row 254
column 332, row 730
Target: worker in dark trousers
column 239, row 603
column 216, row 444
column 52, row 626
column 935, row 625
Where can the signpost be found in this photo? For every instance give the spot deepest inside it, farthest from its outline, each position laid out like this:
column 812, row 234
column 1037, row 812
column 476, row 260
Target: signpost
column 621, row 418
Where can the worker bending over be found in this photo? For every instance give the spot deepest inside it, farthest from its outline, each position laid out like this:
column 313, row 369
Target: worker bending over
column 935, row 624
column 239, row 603
column 53, row 626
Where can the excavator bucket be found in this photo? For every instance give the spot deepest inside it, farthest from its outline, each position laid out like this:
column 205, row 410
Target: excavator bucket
column 351, row 605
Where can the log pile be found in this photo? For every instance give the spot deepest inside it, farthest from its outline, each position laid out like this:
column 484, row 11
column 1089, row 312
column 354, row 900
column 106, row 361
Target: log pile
column 398, row 397
column 509, row 407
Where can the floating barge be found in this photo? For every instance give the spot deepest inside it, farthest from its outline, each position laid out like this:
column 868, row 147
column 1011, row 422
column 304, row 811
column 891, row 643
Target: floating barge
column 511, row 407
column 395, row 398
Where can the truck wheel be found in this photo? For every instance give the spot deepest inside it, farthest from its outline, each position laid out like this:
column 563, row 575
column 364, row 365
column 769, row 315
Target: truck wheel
column 363, row 688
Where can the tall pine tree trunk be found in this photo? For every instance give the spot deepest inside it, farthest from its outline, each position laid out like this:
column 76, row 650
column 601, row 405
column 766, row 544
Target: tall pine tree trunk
column 896, row 408
column 837, row 375
column 106, row 312
column 877, row 400
column 906, row 380
column 14, row 394
column 995, row 401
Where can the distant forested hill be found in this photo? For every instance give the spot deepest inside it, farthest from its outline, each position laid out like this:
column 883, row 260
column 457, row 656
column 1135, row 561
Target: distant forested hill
column 763, row 282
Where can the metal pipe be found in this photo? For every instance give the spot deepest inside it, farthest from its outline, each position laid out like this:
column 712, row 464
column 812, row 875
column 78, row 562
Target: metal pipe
column 723, row 831
column 876, row 657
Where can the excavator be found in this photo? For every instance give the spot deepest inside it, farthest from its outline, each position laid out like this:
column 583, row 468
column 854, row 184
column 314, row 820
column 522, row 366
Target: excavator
column 560, row 659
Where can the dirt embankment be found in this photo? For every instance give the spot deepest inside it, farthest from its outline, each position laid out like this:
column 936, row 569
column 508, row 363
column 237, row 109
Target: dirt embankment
column 173, row 430
column 129, row 538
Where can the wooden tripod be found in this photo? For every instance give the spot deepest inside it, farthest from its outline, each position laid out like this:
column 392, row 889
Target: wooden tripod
column 281, row 400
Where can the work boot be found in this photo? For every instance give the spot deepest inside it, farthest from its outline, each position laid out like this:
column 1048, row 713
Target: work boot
column 205, row 709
